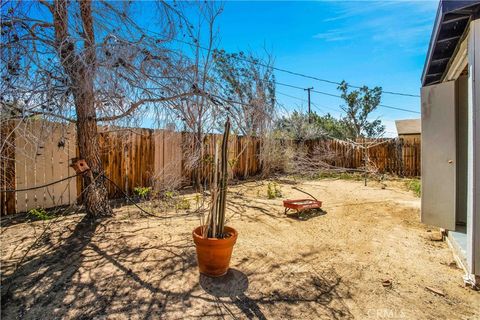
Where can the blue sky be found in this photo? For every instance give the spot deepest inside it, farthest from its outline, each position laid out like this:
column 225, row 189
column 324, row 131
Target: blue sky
column 363, row 42
column 373, row 43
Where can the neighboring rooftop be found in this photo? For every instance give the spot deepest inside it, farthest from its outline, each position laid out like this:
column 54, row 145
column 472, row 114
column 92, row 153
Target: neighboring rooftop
column 450, row 24
column 408, row 126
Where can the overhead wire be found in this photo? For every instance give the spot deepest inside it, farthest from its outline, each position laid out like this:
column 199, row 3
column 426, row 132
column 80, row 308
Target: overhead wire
column 312, row 103
column 305, row 76
column 298, row 73
column 352, row 143
column 338, row 96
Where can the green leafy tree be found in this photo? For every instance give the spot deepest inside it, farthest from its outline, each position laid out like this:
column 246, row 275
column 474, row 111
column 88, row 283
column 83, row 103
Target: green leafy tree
column 249, row 90
column 359, row 105
column 331, row 126
column 298, row 127
column 247, row 87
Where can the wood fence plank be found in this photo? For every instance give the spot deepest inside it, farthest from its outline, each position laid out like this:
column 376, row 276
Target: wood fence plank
column 7, row 167
column 45, row 198
column 72, row 153
column 59, row 166
column 22, row 151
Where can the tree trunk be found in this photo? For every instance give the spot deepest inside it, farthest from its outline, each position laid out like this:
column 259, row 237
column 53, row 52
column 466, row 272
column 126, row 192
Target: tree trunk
column 95, row 195
column 80, row 67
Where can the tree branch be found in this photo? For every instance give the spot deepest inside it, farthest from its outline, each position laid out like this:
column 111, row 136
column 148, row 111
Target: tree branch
column 88, row 34
column 46, row 4
column 64, row 45
column 136, row 105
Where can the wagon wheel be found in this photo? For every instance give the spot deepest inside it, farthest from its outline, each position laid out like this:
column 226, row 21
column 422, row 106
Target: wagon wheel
column 309, row 213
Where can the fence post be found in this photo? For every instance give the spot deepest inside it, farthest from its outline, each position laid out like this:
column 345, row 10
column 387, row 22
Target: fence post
column 399, row 156
column 7, row 168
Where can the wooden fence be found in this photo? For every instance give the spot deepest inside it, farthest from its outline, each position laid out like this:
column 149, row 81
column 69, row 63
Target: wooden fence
column 393, row 156
column 164, row 159
column 35, row 155
column 38, row 153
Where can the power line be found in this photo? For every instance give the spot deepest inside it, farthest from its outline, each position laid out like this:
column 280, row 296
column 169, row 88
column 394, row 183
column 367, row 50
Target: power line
column 302, row 75
column 313, row 104
column 338, row 96
column 298, row 73
column 214, row 97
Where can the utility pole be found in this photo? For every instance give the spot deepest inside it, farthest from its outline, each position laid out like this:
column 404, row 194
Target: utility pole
column 309, row 109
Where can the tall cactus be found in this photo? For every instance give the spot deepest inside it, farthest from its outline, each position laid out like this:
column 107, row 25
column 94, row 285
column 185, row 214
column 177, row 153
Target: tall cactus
column 216, row 218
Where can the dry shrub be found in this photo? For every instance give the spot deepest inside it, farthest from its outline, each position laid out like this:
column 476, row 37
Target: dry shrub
column 167, row 179
column 310, row 160
column 275, row 156
column 316, row 158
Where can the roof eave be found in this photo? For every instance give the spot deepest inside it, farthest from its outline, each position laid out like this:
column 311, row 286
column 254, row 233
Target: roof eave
column 444, row 8
column 433, row 38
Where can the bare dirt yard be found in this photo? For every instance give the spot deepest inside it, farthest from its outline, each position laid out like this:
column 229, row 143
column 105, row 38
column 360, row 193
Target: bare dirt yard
column 329, row 266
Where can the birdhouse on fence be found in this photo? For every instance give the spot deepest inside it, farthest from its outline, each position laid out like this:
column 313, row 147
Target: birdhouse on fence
column 79, row 165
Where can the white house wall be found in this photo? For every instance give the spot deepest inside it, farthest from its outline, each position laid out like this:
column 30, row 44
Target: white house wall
column 462, row 149
column 473, row 161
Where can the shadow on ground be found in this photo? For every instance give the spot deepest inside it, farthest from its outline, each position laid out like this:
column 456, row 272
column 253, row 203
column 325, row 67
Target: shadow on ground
column 230, row 291
column 232, row 284
column 306, row 214
column 119, row 269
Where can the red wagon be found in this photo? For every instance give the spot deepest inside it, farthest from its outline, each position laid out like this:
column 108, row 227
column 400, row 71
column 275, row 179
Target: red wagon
column 301, row 204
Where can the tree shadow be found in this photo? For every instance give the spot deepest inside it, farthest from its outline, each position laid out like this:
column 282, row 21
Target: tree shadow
column 24, row 217
column 232, row 285
column 81, row 278
column 48, row 272
column 238, row 205
column 123, row 269
column 231, row 289
column 306, row 214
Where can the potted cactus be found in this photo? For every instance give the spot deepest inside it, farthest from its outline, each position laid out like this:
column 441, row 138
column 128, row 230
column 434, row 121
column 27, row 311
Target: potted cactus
column 213, row 240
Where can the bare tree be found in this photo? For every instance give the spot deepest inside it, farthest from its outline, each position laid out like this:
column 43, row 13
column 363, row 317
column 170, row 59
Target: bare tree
column 88, row 63
column 198, row 114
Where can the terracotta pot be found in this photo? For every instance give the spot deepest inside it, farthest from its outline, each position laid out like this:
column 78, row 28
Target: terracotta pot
column 213, row 255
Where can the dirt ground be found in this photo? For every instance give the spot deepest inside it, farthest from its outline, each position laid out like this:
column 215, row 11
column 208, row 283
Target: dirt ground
column 330, row 266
